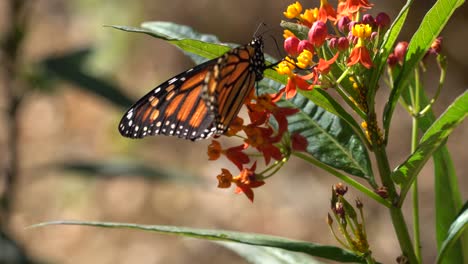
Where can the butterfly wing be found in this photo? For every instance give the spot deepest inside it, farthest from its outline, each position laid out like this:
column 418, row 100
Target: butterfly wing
column 232, row 80
column 201, row 101
column 173, row 108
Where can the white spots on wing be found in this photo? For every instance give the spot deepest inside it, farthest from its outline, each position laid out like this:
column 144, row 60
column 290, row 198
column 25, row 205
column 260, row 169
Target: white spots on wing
column 194, row 133
column 182, row 79
column 171, row 132
column 157, row 90
column 189, row 70
column 167, row 123
column 173, row 125
column 145, row 128
column 171, row 81
column 136, row 128
column 158, row 124
column 130, row 114
column 130, row 123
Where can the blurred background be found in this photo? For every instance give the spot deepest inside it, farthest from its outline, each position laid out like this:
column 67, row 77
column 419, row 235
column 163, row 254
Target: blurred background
column 66, row 80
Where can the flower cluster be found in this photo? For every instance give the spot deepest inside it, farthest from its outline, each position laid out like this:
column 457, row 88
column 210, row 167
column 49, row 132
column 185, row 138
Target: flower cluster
column 327, row 44
column 352, row 228
column 260, row 136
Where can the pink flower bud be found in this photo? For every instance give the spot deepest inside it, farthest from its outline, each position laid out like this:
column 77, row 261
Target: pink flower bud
column 304, row 45
column 400, row 50
column 290, row 46
column 318, row 33
column 382, row 20
column 343, row 44
column 373, row 35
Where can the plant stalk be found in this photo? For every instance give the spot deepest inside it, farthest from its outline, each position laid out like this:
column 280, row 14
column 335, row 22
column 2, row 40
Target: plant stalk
column 398, row 221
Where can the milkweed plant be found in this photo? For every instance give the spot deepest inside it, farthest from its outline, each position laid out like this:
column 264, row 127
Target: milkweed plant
column 340, row 51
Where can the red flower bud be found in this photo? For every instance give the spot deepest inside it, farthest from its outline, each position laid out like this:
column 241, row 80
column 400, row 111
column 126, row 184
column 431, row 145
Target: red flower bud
column 343, row 44
column 392, row 60
column 333, row 43
column 368, row 19
column 382, row 20
column 343, row 24
column 318, row 33
column 304, row 45
column 290, row 46
column 400, row 50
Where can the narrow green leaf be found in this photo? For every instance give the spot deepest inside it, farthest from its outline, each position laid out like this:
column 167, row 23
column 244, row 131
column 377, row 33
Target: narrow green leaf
column 431, row 26
column 330, row 139
column 323, row 251
column 70, row 68
column 261, row 255
column 431, row 140
column 456, row 229
column 199, row 47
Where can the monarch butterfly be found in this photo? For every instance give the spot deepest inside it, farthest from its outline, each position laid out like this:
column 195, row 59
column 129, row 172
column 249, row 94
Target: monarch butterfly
column 201, row 101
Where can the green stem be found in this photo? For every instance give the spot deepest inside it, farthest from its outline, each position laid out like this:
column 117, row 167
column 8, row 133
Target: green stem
column 344, row 178
column 369, row 259
column 414, row 187
column 396, row 214
column 415, row 196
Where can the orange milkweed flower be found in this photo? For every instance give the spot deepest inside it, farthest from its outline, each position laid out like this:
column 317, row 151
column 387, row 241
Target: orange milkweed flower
column 360, row 54
column 326, row 12
column 353, row 6
column 246, row 181
column 299, row 142
column 234, row 154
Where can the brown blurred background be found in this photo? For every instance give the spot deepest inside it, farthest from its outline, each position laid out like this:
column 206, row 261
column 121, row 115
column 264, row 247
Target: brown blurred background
column 59, row 124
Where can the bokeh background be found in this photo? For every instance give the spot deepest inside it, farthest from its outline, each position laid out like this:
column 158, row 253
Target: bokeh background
column 70, row 156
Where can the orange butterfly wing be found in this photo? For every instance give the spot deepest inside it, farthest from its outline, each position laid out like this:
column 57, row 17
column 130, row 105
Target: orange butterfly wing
column 201, row 101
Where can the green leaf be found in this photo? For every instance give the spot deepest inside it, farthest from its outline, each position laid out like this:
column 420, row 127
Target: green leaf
column 386, row 48
column 199, row 47
column 298, row 30
column 456, row 229
column 323, row 251
column 261, row 255
column 431, row 140
column 431, row 26
column 70, row 68
column 330, row 139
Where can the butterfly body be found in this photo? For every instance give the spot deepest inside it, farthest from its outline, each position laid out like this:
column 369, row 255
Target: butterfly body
column 201, row 101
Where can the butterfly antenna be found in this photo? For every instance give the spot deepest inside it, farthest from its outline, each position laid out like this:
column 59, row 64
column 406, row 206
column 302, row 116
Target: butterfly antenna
column 262, row 24
column 276, row 44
